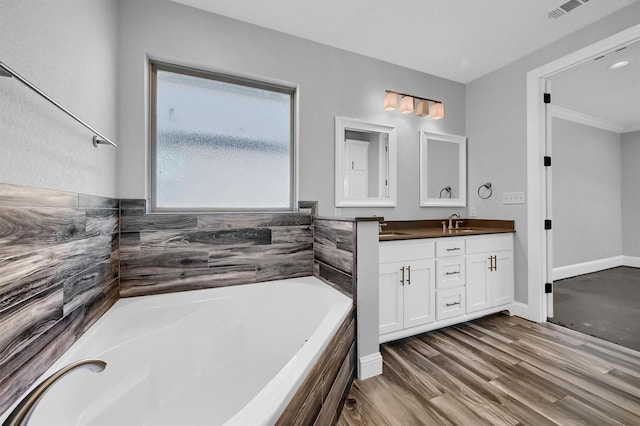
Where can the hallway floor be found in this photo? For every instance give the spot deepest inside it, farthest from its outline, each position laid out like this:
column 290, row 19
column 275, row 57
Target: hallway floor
column 604, row 304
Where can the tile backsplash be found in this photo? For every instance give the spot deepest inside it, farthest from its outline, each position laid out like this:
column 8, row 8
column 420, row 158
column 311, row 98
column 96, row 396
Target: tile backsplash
column 58, row 274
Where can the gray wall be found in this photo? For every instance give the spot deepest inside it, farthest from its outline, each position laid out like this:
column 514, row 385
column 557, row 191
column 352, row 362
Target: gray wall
column 331, row 82
column 630, row 194
column 496, row 128
column 587, row 203
column 68, row 49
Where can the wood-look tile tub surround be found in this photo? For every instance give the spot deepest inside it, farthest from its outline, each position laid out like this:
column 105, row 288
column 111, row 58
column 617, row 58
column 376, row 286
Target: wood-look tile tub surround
column 58, row 275
column 67, row 257
column 163, row 253
column 334, row 242
column 321, row 396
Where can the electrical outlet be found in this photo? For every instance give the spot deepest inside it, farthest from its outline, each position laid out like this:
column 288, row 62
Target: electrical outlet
column 472, row 211
column 513, row 198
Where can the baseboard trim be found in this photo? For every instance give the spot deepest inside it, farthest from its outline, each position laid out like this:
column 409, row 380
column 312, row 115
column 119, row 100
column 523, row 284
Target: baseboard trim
column 631, row 261
column 521, row 310
column 587, row 267
column 370, row 366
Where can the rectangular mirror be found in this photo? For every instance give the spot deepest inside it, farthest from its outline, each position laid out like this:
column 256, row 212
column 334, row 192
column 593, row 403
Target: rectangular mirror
column 365, row 164
column 443, row 170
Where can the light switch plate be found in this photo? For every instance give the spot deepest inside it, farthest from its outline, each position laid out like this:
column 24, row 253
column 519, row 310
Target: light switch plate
column 513, row 198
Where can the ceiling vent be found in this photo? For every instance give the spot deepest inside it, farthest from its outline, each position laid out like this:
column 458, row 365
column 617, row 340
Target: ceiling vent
column 565, row 8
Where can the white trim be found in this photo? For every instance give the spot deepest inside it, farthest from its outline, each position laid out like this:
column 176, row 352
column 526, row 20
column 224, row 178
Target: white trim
column 586, row 119
column 574, row 270
column 631, row 261
column 536, row 238
column 370, row 366
column 520, row 310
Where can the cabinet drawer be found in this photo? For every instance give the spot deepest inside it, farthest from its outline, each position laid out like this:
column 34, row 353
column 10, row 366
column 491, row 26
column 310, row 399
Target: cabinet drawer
column 487, row 244
column 450, row 272
column 450, row 247
column 403, row 251
column 450, row 303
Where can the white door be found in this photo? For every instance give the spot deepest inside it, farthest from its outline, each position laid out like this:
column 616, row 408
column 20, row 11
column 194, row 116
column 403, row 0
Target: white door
column 419, row 293
column 357, row 169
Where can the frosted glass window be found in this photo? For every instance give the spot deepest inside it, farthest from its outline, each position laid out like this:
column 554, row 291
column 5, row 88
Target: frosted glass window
column 220, row 143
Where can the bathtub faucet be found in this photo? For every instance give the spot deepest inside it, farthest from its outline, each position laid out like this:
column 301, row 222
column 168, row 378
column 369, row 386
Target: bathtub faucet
column 21, row 414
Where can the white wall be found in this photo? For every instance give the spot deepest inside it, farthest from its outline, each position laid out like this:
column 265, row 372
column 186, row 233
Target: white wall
column 496, row 130
column 587, row 207
column 331, row 81
column 68, row 49
column 630, row 194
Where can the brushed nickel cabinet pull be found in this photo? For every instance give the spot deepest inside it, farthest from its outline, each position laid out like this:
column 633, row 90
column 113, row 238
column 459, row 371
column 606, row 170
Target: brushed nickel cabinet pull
column 495, row 262
column 453, row 303
column 453, row 249
column 408, row 275
column 402, row 280
column 452, row 273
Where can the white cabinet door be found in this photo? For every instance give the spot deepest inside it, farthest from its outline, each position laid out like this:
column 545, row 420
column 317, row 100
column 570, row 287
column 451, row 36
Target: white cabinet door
column 391, row 297
column 502, row 283
column 478, row 286
column 419, row 293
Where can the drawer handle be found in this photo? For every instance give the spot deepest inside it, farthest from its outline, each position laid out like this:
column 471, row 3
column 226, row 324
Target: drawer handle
column 453, row 303
column 402, row 280
column 454, row 249
column 452, row 273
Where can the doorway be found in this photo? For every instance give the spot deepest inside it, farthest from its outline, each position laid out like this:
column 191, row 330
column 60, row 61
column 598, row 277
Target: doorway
column 540, row 248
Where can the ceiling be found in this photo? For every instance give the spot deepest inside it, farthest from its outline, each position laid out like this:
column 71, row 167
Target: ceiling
column 595, row 89
column 459, row 40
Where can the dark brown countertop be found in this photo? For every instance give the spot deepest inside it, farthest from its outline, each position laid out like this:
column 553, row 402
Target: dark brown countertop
column 413, row 229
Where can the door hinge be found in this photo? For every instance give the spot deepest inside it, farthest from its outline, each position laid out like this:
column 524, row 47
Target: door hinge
column 547, row 161
column 547, row 98
column 548, row 288
column 547, row 224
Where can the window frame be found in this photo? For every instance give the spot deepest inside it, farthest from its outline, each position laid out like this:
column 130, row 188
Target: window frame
column 292, row 90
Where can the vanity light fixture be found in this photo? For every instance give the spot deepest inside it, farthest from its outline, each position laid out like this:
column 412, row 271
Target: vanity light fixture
column 423, row 107
column 406, row 104
column 390, row 101
column 437, row 111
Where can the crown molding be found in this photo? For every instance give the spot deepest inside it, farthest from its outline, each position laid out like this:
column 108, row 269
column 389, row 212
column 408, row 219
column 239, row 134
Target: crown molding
column 586, row 119
column 632, row 128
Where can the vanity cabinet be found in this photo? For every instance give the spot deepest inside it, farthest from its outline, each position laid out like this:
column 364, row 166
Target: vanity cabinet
column 407, row 285
column 490, row 268
column 431, row 283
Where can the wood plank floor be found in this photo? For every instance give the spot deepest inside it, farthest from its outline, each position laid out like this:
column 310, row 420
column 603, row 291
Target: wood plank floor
column 500, row 370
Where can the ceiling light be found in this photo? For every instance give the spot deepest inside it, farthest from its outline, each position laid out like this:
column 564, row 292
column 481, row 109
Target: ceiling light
column 390, row 101
column 618, row 65
column 406, row 104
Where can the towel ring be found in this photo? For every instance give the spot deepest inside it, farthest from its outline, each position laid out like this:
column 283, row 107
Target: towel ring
column 447, row 189
column 488, row 188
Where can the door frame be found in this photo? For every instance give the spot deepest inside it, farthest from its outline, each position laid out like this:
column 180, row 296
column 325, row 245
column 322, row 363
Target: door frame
column 537, row 264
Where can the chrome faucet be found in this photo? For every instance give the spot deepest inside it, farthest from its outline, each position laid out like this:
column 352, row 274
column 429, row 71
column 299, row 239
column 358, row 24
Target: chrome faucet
column 380, row 225
column 21, row 414
column 453, row 216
